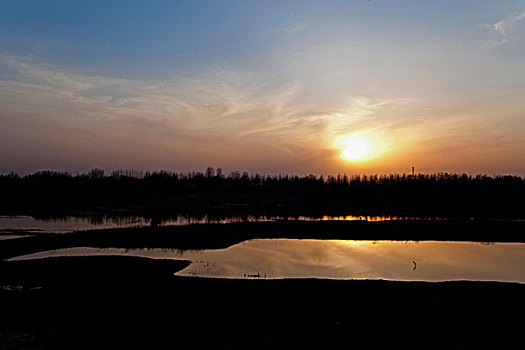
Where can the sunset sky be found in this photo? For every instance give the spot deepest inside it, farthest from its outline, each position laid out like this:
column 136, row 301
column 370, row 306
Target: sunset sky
column 300, row 87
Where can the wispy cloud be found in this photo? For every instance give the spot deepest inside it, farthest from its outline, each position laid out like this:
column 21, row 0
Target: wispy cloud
column 502, row 28
column 507, row 23
column 216, row 103
column 218, row 114
column 223, row 116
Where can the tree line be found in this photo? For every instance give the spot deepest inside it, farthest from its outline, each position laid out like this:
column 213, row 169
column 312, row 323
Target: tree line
column 156, row 191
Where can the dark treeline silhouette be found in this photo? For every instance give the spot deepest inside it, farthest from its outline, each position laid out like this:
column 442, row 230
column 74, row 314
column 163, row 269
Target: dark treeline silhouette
column 160, row 193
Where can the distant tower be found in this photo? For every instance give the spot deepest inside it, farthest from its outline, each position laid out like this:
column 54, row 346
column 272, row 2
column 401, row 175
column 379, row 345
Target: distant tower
column 413, row 171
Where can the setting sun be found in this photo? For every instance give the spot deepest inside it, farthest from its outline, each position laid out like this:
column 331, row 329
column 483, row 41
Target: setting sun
column 354, row 148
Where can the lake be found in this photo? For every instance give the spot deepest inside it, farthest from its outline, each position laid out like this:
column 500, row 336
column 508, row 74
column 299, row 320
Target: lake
column 339, row 259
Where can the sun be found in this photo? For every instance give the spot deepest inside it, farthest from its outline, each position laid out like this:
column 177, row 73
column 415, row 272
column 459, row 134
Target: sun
column 354, row 148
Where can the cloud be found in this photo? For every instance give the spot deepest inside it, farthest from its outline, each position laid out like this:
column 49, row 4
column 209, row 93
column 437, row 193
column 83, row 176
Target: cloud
column 229, row 117
column 506, row 24
column 220, row 115
column 502, row 28
column 218, row 103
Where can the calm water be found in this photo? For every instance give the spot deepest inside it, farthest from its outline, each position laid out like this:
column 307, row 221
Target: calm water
column 337, row 259
column 73, row 223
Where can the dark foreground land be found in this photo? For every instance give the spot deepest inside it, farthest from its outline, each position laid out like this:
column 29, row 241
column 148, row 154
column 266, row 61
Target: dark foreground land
column 137, row 303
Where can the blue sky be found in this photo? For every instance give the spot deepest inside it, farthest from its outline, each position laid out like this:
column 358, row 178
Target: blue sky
column 266, row 86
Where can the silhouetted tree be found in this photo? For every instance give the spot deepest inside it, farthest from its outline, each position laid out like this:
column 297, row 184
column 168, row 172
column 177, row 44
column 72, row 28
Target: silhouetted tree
column 211, row 192
column 96, row 174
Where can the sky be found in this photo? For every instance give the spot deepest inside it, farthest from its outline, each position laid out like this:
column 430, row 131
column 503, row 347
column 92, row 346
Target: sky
column 303, row 87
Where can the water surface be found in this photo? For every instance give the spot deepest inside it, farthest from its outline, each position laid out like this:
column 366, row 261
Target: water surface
column 339, row 259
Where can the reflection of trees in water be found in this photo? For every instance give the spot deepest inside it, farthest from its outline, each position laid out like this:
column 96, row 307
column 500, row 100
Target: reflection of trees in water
column 115, row 220
column 123, row 220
